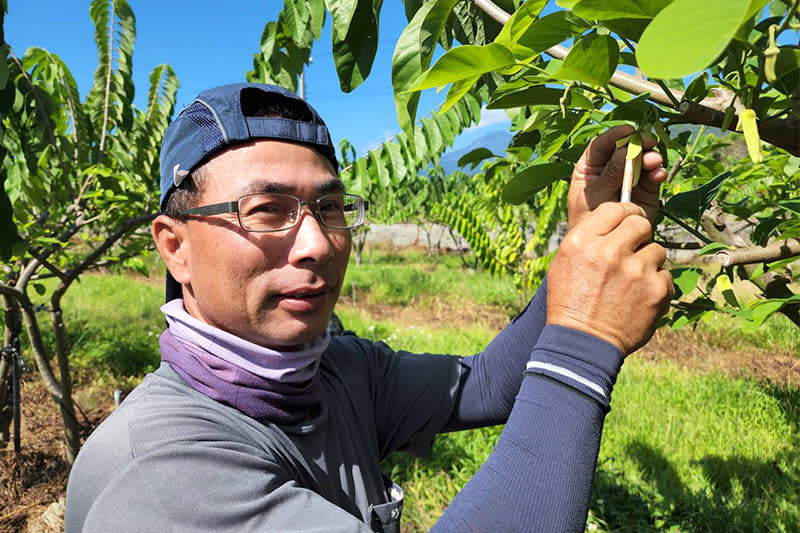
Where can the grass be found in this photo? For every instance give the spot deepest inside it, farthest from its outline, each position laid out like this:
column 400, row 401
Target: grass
column 698, row 452
column 413, row 277
column 681, row 451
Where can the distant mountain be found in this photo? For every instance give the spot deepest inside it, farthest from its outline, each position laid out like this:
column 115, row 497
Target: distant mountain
column 496, row 141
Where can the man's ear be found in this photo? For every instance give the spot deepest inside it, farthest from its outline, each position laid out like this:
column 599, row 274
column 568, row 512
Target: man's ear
column 171, row 240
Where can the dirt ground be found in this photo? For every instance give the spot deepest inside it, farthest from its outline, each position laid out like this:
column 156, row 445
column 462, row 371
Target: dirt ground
column 32, row 482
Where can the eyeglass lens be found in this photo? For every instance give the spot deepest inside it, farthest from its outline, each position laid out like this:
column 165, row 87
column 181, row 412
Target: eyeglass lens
column 271, row 212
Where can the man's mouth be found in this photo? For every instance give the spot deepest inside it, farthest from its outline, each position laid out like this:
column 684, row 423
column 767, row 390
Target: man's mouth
column 304, row 300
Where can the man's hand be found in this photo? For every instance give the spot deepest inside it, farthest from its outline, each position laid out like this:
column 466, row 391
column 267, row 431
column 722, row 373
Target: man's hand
column 597, row 177
column 606, row 278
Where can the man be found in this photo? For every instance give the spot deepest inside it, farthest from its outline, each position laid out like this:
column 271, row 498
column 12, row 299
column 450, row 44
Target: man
column 258, row 420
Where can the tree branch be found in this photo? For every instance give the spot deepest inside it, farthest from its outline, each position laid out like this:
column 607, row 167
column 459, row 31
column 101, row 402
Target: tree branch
column 771, row 284
column 74, row 272
column 680, row 245
column 710, row 111
column 676, row 167
column 759, row 254
column 47, row 264
column 782, row 133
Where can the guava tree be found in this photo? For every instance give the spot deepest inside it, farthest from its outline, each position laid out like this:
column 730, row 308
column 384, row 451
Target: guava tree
column 566, row 70
column 80, row 181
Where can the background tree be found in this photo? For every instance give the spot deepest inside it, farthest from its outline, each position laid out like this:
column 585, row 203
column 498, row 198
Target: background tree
column 82, row 181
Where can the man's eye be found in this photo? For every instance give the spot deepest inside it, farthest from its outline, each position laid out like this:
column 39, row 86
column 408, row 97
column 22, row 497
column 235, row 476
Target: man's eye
column 268, row 209
column 330, row 205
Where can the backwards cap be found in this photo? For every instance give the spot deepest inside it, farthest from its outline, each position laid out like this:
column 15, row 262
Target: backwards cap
column 215, row 121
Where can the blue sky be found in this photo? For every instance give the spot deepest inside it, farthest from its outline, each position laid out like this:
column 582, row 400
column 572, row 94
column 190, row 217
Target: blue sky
column 210, row 43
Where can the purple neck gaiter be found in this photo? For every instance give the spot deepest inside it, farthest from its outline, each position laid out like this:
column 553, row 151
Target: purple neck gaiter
column 266, row 384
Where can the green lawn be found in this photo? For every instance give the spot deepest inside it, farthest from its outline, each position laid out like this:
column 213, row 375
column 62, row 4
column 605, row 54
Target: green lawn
column 681, row 451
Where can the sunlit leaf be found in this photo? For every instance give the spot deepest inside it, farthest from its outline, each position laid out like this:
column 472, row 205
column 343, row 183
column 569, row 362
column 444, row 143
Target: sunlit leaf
column 464, row 62
column 355, row 39
column 457, row 90
column 593, row 59
column 413, row 54
column 688, row 35
column 519, row 22
column 545, row 32
column 539, row 95
column 612, row 9
column 686, row 279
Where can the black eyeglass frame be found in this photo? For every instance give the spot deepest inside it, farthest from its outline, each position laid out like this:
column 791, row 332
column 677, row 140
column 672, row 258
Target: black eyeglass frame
column 233, row 207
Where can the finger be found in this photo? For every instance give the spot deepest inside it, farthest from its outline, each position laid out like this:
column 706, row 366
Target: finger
column 608, row 216
column 654, row 254
column 666, row 275
column 600, row 150
column 651, row 159
column 669, row 285
column 632, row 233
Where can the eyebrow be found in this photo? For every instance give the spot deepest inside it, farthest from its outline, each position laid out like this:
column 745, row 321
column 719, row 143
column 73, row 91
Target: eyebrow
column 264, row 186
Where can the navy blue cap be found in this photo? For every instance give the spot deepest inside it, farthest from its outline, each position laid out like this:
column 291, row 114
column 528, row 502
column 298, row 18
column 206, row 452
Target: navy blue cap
column 215, row 121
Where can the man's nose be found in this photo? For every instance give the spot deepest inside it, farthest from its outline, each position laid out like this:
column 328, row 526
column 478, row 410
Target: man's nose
column 312, row 241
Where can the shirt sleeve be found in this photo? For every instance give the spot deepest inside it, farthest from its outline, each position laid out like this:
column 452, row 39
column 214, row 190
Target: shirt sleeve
column 412, row 396
column 419, row 395
column 541, row 471
column 491, row 379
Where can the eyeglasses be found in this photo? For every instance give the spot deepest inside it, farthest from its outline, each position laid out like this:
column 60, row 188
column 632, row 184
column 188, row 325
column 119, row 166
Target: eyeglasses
column 268, row 212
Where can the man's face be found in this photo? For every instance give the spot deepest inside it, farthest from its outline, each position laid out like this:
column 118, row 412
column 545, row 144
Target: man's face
column 273, row 289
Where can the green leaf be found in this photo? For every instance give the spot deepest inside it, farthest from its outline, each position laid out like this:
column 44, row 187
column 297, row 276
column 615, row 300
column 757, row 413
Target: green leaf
column 355, row 39
column 39, row 288
column 788, row 61
column 295, row 16
column 537, row 95
column 316, row 10
column 712, row 247
column 474, row 157
column 8, row 230
column 519, row 22
column 464, row 62
column 457, row 91
column 593, row 59
column 629, row 28
column 376, row 161
column 692, row 204
column 399, row 169
column 413, row 54
column 612, row 9
column 726, row 288
column 686, row 279
column 762, row 310
column 792, row 205
column 687, row 36
column 697, row 90
column 531, row 180
column 547, row 31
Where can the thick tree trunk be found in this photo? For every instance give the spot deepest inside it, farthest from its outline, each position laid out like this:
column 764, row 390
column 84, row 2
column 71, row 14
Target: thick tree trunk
column 72, row 434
